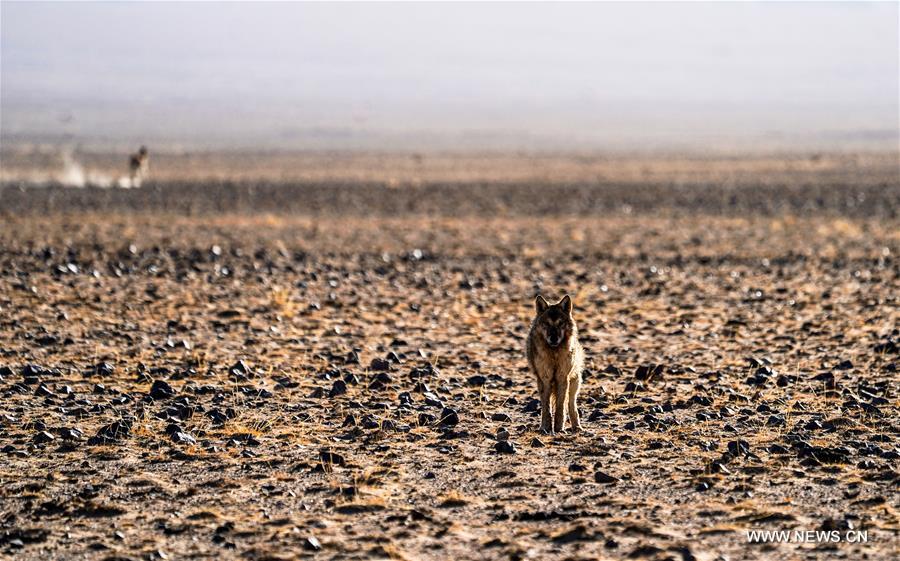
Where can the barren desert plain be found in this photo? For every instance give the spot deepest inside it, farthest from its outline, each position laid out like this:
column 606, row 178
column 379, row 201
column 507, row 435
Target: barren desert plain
column 321, row 356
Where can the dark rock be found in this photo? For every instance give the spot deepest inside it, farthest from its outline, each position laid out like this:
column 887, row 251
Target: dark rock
column 827, row 455
column 505, row 447
column 777, row 449
column 240, row 370
column 576, row 534
column 755, row 362
column 31, row 370
column 104, row 369
column 813, row 425
column 112, row 432
column 43, row 437
column 827, row 378
column 477, row 380
column 379, row 365
column 70, row 434
column 649, row 372
column 37, row 425
column 604, row 478
column 888, row 347
column 217, row 417
column 161, row 390
column 182, row 437
column 47, row 340
column 426, row 371
column 432, row 400
column 332, row 458
column 501, row 418
column 632, row 387
column 785, row 380
column 339, row 387
column 739, row 448
column 449, row 417
column 700, row 400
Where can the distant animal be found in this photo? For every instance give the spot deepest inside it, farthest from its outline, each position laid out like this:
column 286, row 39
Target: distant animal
column 139, row 166
column 556, row 358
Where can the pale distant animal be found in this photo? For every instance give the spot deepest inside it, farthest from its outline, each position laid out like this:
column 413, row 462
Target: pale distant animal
column 139, row 166
column 556, row 358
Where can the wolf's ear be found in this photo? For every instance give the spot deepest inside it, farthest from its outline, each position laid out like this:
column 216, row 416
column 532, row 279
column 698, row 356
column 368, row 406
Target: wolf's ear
column 566, row 304
column 540, row 304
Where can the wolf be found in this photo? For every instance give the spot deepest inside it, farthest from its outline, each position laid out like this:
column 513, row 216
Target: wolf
column 556, row 358
column 139, row 166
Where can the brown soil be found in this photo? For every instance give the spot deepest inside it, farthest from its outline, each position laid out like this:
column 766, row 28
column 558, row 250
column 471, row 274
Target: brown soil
column 742, row 352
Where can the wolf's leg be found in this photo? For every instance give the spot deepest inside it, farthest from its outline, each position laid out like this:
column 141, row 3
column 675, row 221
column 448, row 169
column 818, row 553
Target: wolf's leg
column 559, row 416
column 544, row 389
column 574, row 419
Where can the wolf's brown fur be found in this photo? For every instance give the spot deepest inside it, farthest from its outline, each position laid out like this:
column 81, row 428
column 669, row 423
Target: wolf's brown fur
column 556, row 358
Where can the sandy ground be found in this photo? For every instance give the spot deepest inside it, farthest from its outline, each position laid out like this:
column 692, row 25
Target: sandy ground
column 230, row 370
column 37, row 163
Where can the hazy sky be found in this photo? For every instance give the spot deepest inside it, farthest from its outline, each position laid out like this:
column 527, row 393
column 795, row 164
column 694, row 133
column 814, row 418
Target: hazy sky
column 506, row 73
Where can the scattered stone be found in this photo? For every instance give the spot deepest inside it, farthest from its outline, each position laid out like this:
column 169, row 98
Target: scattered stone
column 477, row 380
column 179, row 435
column 331, row 458
column 604, row 478
column 576, row 534
column 113, row 432
column 161, row 390
column 240, row 370
column 70, row 434
column 739, row 448
column 104, row 369
column 43, row 437
column 339, row 387
column 379, row 365
column 449, row 417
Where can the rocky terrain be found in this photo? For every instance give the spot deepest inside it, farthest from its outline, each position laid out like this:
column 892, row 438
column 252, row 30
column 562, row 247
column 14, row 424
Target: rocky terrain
column 336, row 370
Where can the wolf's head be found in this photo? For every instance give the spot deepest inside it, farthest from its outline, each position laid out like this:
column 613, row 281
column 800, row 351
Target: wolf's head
column 554, row 321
